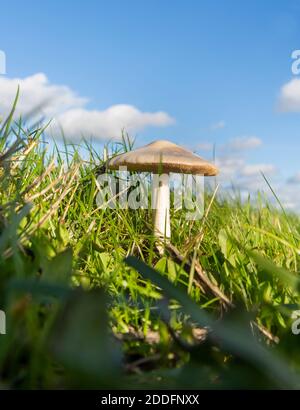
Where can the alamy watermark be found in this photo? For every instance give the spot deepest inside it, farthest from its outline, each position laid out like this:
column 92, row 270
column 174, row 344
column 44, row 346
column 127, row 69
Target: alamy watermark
column 139, row 191
column 296, row 63
column 296, row 322
column 2, row 63
column 2, row 323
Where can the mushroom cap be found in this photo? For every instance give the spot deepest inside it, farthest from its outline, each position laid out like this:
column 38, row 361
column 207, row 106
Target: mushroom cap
column 163, row 157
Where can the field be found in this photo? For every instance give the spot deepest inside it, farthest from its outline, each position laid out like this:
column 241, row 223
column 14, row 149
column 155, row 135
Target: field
column 91, row 303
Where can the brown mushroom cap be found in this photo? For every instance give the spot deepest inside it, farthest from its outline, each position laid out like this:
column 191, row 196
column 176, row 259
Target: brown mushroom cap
column 163, row 157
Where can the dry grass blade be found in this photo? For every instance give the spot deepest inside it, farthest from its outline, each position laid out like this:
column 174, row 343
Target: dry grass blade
column 67, row 188
column 39, row 179
column 22, row 156
column 208, row 285
column 197, row 239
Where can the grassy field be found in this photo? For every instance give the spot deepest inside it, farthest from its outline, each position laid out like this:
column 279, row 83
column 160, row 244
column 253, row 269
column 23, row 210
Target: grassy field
column 89, row 301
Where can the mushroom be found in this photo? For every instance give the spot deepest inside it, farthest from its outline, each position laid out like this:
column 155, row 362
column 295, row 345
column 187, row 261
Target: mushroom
column 162, row 157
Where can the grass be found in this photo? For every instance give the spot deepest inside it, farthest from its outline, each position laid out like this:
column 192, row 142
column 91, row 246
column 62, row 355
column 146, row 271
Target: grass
column 89, row 301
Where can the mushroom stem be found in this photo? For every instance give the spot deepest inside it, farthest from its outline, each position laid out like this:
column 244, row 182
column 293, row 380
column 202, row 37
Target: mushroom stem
column 161, row 206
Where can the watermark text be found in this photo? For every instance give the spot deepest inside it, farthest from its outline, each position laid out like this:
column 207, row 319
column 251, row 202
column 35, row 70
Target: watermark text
column 296, row 322
column 2, row 62
column 139, row 191
column 2, row 323
column 296, row 63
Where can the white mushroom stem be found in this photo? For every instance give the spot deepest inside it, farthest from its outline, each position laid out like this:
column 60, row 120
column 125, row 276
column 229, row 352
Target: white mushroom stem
column 161, row 206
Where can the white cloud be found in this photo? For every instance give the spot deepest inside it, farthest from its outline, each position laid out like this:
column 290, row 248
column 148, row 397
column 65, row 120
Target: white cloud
column 289, row 98
column 232, row 147
column 244, row 143
column 36, row 93
column 256, row 169
column 235, row 171
column 69, row 110
column 229, row 166
column 242, row 175
column 205, row 146
column 232, row 163
column 109, row 123
column 218, row 125
column 295, row 179
column 289, row 197
column 247, row 178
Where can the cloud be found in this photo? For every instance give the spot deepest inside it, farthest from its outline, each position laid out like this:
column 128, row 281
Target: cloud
column 218, row 125
column 236, row 171
column 289, row 98
column 288, row 196
column 36, row 93
column 205, row 146
column 232, row 147
column 229, row 166
column 231, row 159
column 295, row 179
column 109, row 123
column 256, row 169
column 69, row 111
column 247, row 179
column 244, row 143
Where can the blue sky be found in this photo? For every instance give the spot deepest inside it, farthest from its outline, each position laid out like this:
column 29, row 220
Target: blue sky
column 203, row 63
